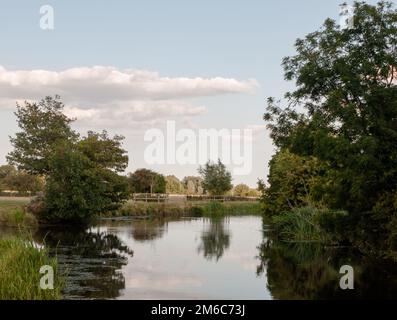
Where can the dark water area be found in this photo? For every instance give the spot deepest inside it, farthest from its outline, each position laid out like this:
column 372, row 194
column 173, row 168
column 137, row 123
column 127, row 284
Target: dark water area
column 200, row 258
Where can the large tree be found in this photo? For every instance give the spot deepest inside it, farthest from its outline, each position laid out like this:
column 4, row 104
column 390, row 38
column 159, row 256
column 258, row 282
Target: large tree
column 105, row 151
column 174, row 185
column 344, row 112
column 216, row 179
column 147, row 181
column 81, row 173
column 78, row 188
column 43, row 125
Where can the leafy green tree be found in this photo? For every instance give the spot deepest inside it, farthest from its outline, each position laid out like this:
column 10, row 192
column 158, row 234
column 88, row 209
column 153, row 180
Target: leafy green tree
column 344, row 110
column 78, row 188
column 105, row 151
column 216, row 179
column 174, row 185
column 81, row 173
column 5, row 171
column 241, row 190
column 147, row 181
column 21, row 181
column 43, row 125
column 294, row 181
column 253, row 193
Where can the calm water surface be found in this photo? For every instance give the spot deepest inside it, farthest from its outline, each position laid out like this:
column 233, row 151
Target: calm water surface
column 198, row 258
column 184, row 259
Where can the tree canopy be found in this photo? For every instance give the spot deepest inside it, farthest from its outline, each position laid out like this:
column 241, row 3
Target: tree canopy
column 343, row 113
column 174, row 185
column 146, row 181
column 216, row 179
column 80, row 173
column 43, row 125
column 19, row 180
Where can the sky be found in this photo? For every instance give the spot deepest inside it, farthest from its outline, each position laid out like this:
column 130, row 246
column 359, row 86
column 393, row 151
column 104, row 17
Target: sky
column 134, row 67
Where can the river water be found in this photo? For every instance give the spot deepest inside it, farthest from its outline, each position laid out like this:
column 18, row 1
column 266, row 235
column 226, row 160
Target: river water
column 200, row 258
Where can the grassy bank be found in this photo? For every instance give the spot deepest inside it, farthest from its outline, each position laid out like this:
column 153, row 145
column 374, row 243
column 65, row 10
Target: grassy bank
column 309, row 224
column 13, row 213
column 20, row 263
column 185, row 209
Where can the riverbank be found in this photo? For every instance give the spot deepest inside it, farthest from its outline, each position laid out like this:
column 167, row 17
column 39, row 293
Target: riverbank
column 20, row 263
column 20, row 258
column 13, row 212
column 185, row 209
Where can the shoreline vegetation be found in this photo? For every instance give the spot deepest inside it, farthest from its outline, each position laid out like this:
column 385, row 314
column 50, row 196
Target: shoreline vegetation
column 185, row 209
column 14, row 212
column 333, row 178
column 21, row 260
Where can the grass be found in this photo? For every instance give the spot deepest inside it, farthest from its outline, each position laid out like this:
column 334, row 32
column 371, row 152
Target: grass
column 186, row 209
column 300, row 225
column 13, row 213
column 20, row 263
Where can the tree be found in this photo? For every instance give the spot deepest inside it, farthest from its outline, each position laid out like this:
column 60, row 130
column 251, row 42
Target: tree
column 346, row 87
column 78, row 188
column 174, row 185
column 295, row 181
column 21, row 181
column 81, row 173
column 147, row 181
column 105, row 151
column 216, row 179
column 5, row 171
column 43, row 126
column 193, row 185
column 241, row 190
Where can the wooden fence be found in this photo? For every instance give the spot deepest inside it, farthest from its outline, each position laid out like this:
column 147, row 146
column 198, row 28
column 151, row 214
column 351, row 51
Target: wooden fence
column 150, row 197
column 162, row 197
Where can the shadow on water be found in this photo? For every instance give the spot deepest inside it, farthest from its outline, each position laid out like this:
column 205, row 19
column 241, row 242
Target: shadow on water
column 215, row 238
column 92, row 261
column 311, row 271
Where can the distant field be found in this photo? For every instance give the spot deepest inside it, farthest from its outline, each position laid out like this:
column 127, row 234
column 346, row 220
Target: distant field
column 12, row 213
column 11, row 201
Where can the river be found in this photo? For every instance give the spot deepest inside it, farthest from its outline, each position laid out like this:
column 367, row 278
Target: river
column 201, row 258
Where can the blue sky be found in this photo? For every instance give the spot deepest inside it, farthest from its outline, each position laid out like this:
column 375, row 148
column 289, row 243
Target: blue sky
column 240, row 40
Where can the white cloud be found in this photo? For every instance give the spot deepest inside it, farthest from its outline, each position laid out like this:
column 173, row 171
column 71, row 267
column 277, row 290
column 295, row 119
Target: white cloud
column 106, row 84
column 107, row 96
column 136, row 114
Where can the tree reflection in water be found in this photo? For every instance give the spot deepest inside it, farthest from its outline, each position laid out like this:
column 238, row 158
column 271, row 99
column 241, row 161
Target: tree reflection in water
column 140, row 230
column 92, row 261
column 311, row 271
column 146, row 230
column 215, row 239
